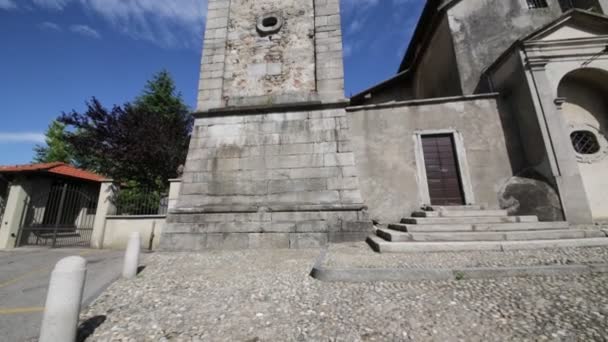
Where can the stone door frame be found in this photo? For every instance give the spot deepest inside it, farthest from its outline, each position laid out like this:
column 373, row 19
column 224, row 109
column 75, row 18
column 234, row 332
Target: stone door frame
column 424, row 197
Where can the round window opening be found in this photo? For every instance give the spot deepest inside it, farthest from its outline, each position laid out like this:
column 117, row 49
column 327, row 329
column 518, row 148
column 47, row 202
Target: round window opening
column 585, row 142
column 270, row 21
column 269, row 24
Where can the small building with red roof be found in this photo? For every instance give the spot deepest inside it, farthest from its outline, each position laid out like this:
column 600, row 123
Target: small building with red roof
column 47, row 204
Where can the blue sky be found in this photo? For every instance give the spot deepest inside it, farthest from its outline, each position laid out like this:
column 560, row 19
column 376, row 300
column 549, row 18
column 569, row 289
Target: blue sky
column 57, row 54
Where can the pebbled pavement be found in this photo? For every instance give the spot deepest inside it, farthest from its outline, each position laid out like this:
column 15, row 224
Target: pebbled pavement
column 268, row 296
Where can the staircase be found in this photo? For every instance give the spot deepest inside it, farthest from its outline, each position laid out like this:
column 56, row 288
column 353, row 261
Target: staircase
column 470, row 228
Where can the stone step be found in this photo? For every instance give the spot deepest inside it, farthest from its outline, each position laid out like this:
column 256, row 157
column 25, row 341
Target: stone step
column 425, row 214
column 473, row 213
column 456, row 207
column 398, row 236
column 461, row 213
column 393, row 235
column 410, row 228
column 383, row 246
column 497, row 227
column 468, row 220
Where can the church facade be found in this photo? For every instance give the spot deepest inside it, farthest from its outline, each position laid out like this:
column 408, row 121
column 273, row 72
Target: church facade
column 496, row 104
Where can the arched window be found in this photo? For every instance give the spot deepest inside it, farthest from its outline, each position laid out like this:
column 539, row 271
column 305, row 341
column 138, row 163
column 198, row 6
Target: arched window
column 585, row 142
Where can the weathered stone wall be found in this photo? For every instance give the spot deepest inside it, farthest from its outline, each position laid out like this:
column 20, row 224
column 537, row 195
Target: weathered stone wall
column 268, row 175
column 383, row 141
column 527, row 148
column 483, row 29
column 301, row 62
column 284, row 62
column 292, row 158
column 289, row 175
column 328, row 47
column 437, row 70
column 214, row 55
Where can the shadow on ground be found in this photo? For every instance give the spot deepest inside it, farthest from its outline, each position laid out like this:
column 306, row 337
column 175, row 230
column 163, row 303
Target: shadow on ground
column 87, row 328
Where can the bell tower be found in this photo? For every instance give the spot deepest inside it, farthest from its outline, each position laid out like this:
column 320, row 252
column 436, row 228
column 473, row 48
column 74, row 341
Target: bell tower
column 270, row 52
column 270, row 163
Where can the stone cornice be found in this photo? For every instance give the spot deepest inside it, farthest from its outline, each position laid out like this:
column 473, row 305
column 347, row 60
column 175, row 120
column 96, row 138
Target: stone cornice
column 273, row 108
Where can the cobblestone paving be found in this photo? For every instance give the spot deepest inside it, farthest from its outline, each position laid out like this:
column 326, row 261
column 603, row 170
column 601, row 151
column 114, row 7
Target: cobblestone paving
column 360, row 255
column 268, row 296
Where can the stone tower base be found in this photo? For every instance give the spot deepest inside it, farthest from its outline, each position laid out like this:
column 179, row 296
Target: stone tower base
column 264, row 229
column 269, row 176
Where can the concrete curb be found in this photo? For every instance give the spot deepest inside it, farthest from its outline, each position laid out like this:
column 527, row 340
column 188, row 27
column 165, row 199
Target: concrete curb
column 363, row 275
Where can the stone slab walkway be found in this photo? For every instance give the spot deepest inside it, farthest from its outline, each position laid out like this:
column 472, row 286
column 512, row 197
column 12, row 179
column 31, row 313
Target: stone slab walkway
column 360, row 255
column 268, row 296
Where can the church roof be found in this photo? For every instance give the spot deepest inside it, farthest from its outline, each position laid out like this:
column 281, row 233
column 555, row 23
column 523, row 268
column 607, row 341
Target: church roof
column 430, row 15
column 361, row 96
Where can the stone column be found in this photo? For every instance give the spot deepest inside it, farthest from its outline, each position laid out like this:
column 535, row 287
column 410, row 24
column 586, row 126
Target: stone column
column 104, row 206
column 214, row 54
column 328, row 45
column 559, row 148
column 175, row 185
column 13, row 214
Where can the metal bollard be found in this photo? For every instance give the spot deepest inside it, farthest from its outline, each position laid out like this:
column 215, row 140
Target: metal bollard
column 62, row 308
column 131, row 262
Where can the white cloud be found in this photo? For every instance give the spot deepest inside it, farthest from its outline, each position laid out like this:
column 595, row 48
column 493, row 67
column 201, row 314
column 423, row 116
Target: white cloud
column 7, row 5
column 354, row 26
column 347, row 50
column 174, row 23
column 49, row 26
column 25, row 137
column 52, row 4
column 86, row 31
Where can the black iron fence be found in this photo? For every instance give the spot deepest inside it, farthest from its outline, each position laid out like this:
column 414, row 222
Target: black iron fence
column 63, row 216
column 139, row 202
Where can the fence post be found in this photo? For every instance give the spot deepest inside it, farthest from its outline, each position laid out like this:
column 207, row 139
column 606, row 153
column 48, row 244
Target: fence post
column 175, row 186
column 62, row 308
column 104, row 206
column 131, row 262
column 13, row 213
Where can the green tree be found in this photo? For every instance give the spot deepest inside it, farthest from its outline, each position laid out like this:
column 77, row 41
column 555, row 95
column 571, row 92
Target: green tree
column 161, row 97
column 56, row 148
column 142, row 143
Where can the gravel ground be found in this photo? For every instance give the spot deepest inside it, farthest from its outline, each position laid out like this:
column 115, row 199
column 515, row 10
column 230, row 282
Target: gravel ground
column 360, row 255
column 268, row 296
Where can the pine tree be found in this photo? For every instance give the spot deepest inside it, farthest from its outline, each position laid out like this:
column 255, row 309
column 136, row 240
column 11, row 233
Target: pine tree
column 56, row 148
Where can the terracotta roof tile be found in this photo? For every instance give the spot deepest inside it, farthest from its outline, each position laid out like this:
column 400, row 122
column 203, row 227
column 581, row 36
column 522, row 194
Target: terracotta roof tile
column 55, row 168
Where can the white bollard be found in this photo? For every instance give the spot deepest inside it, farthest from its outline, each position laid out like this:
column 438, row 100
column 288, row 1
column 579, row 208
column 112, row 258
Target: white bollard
column 131, row 262
column 62, row 308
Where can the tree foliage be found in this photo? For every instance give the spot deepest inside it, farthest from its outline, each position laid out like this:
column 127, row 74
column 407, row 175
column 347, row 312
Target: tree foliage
column 143, row 142
column 56, row 149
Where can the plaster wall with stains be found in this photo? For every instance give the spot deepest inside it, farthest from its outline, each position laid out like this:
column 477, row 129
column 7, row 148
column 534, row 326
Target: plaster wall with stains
column 483, row 29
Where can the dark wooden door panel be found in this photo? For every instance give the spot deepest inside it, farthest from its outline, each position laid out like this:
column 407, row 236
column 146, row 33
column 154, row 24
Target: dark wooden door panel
column 442, row 173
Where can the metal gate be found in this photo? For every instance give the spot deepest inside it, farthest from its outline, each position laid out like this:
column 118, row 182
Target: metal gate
column 61, row 217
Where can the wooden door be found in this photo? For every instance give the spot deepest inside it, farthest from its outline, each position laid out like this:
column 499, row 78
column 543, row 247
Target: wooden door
column 442, row 172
